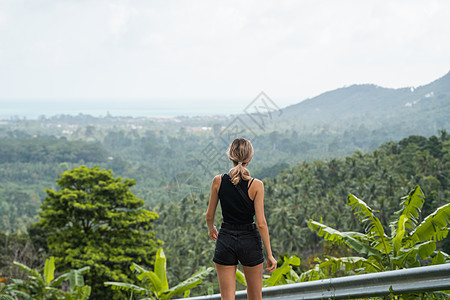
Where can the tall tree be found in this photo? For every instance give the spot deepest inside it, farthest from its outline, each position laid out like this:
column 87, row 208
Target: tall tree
column 95, row 220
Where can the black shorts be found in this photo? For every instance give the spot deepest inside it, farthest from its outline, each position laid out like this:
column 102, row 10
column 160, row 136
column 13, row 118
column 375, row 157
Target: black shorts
column 238, row 245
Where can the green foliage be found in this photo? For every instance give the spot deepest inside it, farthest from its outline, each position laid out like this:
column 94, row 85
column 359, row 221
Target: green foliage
column 46, row 286
column 17, row 208
column 434, row 225
column 94, row 220
column 338, row 266
column 78, row 290
column 240, row 277
column 403, row 249
column 47, row 149
column 154, row 284
column 284, row 274
column 4, row 290
column 374, row 228
column 319, row 190
column 168, row 160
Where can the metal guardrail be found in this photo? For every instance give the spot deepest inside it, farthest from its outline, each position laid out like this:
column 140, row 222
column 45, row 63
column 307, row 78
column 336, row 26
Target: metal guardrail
column 404, row 281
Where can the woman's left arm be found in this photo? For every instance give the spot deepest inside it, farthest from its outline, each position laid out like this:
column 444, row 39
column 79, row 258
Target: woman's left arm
column 261, row 223
column 211, row 212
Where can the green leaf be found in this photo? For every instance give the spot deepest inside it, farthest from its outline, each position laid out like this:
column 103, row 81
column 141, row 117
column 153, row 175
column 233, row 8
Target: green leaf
column 156, row 282
column 400, row 233
column 81, row 292
column 292, row 276
column 278, row 276
column 326, row 232
column 433, row 227
column 160, row 268
column 313, row 274
column 241, row 277
column 354, row 240
column 74, row 276
column 187, row 284
column 150, row 277
column 75, row 279
column 31, row 273
column 424, row 250
column 122, row 286
column 413, row 204
column 439, row 258
column 49, row 270
column 374, row 228
column 349, row 264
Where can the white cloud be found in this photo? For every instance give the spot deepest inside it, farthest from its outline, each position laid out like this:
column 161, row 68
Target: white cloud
column 210, row 49
column 120, row 15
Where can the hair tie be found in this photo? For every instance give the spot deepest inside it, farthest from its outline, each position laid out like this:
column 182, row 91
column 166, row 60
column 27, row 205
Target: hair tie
column 240, row 163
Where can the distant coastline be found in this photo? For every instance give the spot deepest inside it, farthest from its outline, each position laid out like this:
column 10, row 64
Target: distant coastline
column 34, row 110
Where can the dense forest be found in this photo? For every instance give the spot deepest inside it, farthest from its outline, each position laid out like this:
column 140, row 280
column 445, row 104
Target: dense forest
column 166, row 168
column 309, row 190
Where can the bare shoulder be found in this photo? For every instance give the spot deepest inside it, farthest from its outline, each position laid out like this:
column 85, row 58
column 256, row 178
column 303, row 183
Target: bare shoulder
column 258, row 182
column 216, row 181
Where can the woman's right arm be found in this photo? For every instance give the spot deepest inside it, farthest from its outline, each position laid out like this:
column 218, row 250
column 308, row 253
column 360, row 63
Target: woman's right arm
column 261, row 223
column 211, row 212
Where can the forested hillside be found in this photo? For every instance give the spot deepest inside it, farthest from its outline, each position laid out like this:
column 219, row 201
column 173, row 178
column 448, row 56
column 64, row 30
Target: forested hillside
column 375, row 103
column 175, row 157
column 318, row 190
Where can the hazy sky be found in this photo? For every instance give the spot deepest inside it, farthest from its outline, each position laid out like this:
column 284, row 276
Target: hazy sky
column 164, row 52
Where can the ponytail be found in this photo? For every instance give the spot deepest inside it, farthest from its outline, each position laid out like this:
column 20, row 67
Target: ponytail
column 240, row 153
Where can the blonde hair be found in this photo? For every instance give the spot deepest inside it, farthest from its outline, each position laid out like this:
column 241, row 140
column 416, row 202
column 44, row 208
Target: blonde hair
column 240, row 153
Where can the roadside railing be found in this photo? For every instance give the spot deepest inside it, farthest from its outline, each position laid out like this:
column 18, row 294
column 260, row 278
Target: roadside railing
column 404, row 281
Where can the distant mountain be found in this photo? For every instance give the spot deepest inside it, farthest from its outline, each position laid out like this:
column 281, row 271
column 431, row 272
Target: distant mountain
column 377, row 105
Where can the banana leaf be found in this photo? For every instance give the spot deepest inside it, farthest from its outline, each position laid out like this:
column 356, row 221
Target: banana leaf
column 374, row 227
column 434, row 227
column 241, row 277
column 122, row 286
column 412, row 206
column 49, row 270
column 355, row 240
column 188, row 284
column 160, row 268
column 278, row 276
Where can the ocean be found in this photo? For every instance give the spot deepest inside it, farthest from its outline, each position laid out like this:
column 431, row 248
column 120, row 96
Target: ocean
column 35, row 109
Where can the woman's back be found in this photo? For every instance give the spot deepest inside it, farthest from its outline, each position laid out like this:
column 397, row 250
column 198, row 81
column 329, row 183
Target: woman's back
column 234, row 208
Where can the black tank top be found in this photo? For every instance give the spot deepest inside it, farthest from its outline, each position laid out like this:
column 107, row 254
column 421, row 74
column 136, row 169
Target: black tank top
column 234, row 210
